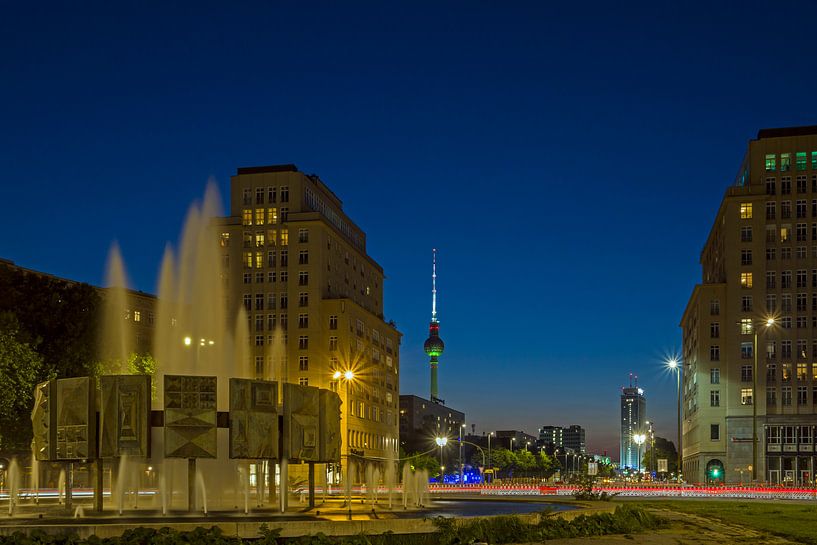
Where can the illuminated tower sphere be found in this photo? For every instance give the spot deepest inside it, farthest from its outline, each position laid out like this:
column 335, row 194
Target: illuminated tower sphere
column 434, row 345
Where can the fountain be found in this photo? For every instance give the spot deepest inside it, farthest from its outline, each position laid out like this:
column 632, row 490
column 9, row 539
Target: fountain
column 13, row 485
column 201, row 491
column 61, row 490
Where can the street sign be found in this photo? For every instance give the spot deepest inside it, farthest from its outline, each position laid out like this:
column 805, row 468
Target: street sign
column 592, row 468
column 662, row 465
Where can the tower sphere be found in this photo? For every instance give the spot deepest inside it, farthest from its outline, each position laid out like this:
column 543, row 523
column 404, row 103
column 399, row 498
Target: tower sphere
column 434, row 346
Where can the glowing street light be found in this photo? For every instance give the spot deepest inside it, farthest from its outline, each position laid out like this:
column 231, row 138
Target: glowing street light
column 675, row 366
column 441, row 442
column 639, row 439
column 188, row 341
column 768, row 322
column 348, row 376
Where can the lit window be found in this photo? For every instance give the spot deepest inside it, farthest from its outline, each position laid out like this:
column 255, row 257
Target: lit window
column 259, row 240
column 746, row 326
column 259, row 260
column 746, row 280
column 814, row 160
column 259, row 216
column 785, row 161
column 272, row 216
column 225, row 240
column 137, row 316
column 801, row 160
column 284, row 237
column 746, row 210
column 745, row 396
column 248, row 260
column 770, row 162
column 247, row 216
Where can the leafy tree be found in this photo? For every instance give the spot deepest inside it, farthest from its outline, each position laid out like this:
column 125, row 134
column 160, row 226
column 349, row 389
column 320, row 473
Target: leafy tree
column 58, row 318
column 418, row 462
column 21, row 368
column 546, row 465
column 664, row 449
column 525, row 460
column 137, row 364
column 504, row 460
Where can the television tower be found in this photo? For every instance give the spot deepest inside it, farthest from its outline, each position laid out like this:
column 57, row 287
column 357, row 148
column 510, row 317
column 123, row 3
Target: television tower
column 434, row 345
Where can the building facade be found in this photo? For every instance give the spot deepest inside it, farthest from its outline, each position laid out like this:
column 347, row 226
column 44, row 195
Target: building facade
column 297, row 267
column 573, row 439
column 743, row 378
column 633, row 418
column 551, row 438
column 422, row 420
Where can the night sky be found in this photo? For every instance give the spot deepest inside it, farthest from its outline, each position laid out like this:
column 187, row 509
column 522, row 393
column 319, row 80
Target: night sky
column 567, row 161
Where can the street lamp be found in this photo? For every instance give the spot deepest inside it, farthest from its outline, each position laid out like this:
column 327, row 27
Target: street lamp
column 490, row 460
column 347, row 376
column 512, row 440
column 526, row 445
column 769, row 322
column 441, row 442
column 674, row 365
column 639, row 439
column 461, row 462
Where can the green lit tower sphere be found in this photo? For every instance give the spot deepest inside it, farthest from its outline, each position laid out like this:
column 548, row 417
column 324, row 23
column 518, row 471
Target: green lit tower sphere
column 434, row 345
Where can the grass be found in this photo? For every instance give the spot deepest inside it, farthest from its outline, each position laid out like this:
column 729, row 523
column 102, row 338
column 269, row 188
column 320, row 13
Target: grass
column 797, row 522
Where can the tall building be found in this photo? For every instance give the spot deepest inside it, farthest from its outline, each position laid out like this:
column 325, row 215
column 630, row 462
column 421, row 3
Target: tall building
column 422, row 420
column 434, row 345
column 298, row 267
column 633, row 417
column 744, row 379
column 573, row 438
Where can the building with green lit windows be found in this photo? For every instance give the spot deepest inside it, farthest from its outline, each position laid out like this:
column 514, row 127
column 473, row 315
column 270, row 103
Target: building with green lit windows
column 750, row 327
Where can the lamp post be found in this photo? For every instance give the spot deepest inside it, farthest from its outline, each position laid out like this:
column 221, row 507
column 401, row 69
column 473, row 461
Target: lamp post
column 441, row 442
column 527, row 443
column 490, row 460
column 512, row 440
column 347, row 376
column 675, row 365
column 461, row 462
column 769, row 322
column 639, row 439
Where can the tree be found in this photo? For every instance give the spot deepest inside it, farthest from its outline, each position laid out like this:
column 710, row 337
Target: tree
column 419, row 462
column 525, row 461
column 664, row 449
column 504, row 460
column 21, row 368
column 546, row 465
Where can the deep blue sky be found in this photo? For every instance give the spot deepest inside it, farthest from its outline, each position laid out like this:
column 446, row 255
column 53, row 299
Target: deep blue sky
column 566, row 161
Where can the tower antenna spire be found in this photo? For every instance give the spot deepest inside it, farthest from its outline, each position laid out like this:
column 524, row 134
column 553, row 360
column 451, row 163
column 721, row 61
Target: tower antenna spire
column 434, row 285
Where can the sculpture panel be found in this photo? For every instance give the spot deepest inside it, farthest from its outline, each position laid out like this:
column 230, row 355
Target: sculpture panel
column 329, row 441
column 190, row 416
column 44, row 421
column 124, row 424
column 76, row 419
column 253, row 419
column 301, row 426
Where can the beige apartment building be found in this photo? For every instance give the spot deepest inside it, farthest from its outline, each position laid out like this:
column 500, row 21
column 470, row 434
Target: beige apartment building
column 313, row 298
column 740, row 372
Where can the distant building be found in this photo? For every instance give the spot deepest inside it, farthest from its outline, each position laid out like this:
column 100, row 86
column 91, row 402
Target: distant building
column 633, row 416
column 573, row 438
column 422, row 420
column 514, row 439
column 551, row 438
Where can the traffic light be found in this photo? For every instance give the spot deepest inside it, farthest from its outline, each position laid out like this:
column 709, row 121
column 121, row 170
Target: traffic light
column 715, row 473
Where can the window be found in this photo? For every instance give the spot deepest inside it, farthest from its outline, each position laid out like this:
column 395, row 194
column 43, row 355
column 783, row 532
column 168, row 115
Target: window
column 715, row 353
column 259, row 260
column 303, row 278
column 785, row 349
column 303, row 363
column 771, row 303
column 284, row 276
column 714, row 307
column 247, row 302
column 284, row 194
column 333, row 322
column 770, row 280
column 247, row 214
column 785, row 209
column 771, row 396
column 259, row 301
column 746, row 234
column 785, row 279
column 801, row 160
column 284, row 237
column 259, row 340
column 714, row 330
column 785, row 253
column 771, row 372
column 746, row 373
column 224, row 241
column 745, row 396
column 284, row 321
column 801, row 207
column 771, row 234
column 801, row 252
column 770, row 162
column 284, row 258
column 271, row 322
column 303, row 321
column 303, row 257
column 272, row 216
column 715, row 432
column 746, row 257
column 284, row 301
column 333, row 343
column 802, row 369
column 801, row 232
column 785, row 162
column 303, row 343
column 746, row 350
column 802, row 302
column 259, row 195
column 303, row 235
column 802, row 280
column 303, row 299
column 802, row 395
column 771, row 212
column 771, row 350
column 746, row 210
column 271, row 194
column 746, row 280
column 715, row 375
column 284, row 214
column 259, row 216
column 785, row 233
column 303, row 381
column 785, row 322
column 746, row 326
column 786, row 372
column 786, row 396
column 714, row 398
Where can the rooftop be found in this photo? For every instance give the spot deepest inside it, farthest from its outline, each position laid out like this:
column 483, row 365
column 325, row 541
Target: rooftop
column 787, row 131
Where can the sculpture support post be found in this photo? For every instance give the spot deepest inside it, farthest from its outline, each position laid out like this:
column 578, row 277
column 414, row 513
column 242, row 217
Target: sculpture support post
column 311, row 485
column 191, row 484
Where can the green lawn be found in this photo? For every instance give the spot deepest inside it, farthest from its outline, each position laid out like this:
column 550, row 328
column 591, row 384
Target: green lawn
column 797, row 522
